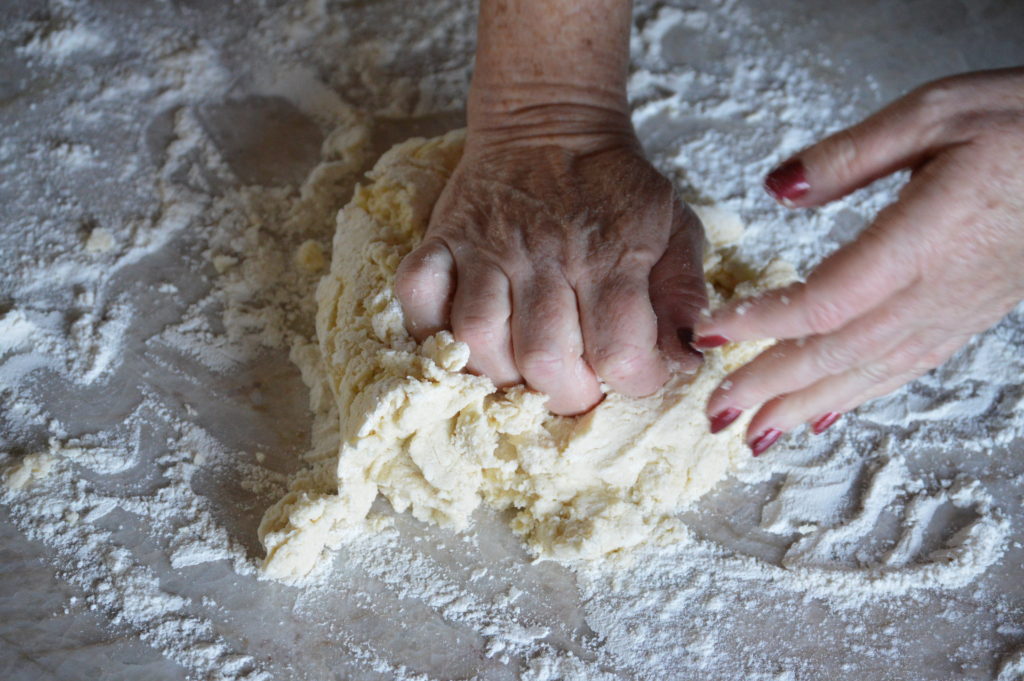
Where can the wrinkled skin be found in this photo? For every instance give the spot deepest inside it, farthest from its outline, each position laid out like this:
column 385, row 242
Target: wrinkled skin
column 562, row 262
column 944, row 262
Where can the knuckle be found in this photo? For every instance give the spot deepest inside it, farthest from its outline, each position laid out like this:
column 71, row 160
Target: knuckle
column 845, row 153
column 936, row 102
column 937, row 94
column 951, row 109
column 824, row 315
column 833, row 358
column 895, row 315
column 620, row 362
column 875, row 372
column 478, row 331
column 541, row 364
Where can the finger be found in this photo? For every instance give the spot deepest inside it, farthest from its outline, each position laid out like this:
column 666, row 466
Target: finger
column 847, row 284
column 481, row 311
column 424, row 284
column 842, row 393
column 548, row 345
column 901, row 135
column 677, row 290
column 620, row 333
column 791, row 365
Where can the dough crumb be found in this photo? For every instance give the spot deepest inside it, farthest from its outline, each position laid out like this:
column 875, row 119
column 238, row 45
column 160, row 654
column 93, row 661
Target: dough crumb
column 310, row 257
column 28, row 470
column 100, row 241
column 222, row 263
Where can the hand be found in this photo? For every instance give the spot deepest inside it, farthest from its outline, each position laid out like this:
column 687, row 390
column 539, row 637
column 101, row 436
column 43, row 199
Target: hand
column 562, row 260
column 942, row 263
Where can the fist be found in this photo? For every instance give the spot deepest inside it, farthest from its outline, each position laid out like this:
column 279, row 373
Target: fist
column 562, row 263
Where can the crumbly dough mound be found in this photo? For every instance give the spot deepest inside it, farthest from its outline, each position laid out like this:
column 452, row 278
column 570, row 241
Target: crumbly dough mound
column 404, row 420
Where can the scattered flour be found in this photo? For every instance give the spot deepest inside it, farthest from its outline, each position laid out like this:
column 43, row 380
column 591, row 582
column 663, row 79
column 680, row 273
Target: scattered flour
column 62, row 41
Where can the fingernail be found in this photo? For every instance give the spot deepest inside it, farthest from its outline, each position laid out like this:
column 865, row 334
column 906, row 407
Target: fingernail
column 722, row 419
column 686, row 343
column 708, row 342
column 764, row 441
column 788, row 182
column 824, row 422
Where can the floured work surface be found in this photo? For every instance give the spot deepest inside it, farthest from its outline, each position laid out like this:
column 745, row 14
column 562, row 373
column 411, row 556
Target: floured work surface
column 159, row 266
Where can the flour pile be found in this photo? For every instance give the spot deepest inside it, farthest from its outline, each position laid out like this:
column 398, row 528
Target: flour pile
column 436, row 440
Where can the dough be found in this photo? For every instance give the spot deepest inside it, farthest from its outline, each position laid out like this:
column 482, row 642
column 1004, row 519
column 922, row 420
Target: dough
column 30, row 469
column 403, row 420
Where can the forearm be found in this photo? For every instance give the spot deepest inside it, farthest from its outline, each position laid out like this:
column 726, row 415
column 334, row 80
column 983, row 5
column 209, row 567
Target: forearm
column 551, row 63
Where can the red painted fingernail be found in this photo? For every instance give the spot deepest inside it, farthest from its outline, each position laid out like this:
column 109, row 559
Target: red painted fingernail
column 764, row 441
column 824, row 422
column 708, row 342
column 722, row 419
column 788, row 182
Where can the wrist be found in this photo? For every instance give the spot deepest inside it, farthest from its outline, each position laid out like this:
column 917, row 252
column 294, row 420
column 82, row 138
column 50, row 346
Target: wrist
column 490, row 99
column 552, row 69
column 570, row 116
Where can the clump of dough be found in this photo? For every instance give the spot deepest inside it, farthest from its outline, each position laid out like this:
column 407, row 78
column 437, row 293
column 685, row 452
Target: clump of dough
column 100, row 241
column 310, row 257
column 30, row 469
column 405, row 421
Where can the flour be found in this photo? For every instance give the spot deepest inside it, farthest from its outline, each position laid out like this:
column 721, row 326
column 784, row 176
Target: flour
column 1012, row 667
column 149, row 298
column 60, row 41
column 15, row 331
column 67, row 514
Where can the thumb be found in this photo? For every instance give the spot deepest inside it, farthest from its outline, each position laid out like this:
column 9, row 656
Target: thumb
column 424, row 284
column 677, row 289
column 902, row 135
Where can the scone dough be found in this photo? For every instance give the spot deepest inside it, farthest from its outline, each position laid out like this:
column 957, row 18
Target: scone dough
column 404, row 420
